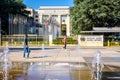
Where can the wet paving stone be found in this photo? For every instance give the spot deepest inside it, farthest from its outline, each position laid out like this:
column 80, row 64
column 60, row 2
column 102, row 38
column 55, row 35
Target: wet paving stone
column 59, row 71
column 110, row 75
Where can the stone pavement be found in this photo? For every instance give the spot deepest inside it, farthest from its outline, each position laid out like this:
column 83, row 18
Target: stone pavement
column 110, row 55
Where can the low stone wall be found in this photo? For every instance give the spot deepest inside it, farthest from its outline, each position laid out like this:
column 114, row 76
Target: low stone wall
column 90, row 40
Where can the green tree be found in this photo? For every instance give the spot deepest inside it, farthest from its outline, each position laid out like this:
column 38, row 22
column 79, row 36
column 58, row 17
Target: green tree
column 13, row 7
column 10, row 7
column 86, row 14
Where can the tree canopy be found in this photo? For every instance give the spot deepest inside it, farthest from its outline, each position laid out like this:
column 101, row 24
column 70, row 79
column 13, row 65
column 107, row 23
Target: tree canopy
column 13, row 7
column 86, row 14
column 10, row 7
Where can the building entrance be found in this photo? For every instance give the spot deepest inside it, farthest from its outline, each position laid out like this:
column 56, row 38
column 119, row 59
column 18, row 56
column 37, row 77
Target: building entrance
column 63, row 29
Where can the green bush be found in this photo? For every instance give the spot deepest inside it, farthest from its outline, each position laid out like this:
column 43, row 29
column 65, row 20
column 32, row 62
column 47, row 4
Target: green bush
column 69, row 41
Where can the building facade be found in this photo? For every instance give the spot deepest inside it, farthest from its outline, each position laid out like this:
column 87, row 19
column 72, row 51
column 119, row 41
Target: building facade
column 110, row 34
column 55, row 20
column 19, row 24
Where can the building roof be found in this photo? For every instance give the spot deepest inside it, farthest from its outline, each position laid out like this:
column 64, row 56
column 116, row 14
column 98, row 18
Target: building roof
column 103, row 30
column 54, row 10
column 48, row 7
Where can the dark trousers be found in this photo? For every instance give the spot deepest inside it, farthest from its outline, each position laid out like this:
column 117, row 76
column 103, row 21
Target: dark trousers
column 65, row 45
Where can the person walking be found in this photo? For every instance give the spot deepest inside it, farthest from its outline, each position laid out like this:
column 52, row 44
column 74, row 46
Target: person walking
column 26, row 48
column 64, row 41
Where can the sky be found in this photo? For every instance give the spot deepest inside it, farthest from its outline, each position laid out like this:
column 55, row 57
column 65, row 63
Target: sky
column 35, row 4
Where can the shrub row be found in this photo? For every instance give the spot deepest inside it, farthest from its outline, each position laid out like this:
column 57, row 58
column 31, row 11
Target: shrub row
column 69, row 41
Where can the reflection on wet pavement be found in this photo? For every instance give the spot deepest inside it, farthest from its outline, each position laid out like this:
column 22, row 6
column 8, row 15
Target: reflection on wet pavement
column 58, row 71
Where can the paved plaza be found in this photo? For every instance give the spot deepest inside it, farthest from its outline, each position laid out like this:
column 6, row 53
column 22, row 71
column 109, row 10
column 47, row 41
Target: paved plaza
column 60, row 60
column 110, row 55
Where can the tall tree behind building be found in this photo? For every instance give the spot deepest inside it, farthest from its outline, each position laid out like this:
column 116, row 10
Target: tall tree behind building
column 86, row 14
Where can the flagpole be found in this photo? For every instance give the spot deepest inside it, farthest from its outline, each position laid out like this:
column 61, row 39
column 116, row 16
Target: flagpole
column 9, row 23
column 0, row 30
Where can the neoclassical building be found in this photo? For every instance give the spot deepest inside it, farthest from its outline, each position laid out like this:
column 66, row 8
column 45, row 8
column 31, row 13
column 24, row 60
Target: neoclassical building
column 55, row 20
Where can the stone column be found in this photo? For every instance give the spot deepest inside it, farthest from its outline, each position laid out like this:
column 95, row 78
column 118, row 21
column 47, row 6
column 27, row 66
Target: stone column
column 49, row 27
column 40, row 18
column 40, row 31
column 59, row 21
column 50, row 40
column 68, row 25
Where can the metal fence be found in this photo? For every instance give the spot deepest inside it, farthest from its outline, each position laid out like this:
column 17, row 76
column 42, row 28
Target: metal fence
column 113, row 43
column 35, row 40
column 18, row 40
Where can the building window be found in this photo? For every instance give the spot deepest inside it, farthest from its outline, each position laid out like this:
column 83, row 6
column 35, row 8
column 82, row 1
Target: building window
column 36, row 12
column 64, row 17
column 63, row 21
column 36, row 16
column 36, row 20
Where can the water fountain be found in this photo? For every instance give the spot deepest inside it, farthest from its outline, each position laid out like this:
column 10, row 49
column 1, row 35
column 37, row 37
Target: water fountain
column 43, row 58
column 5, row 62
column 38, row 69
column 78, row 46
column 40, row 64
column 97, row 66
